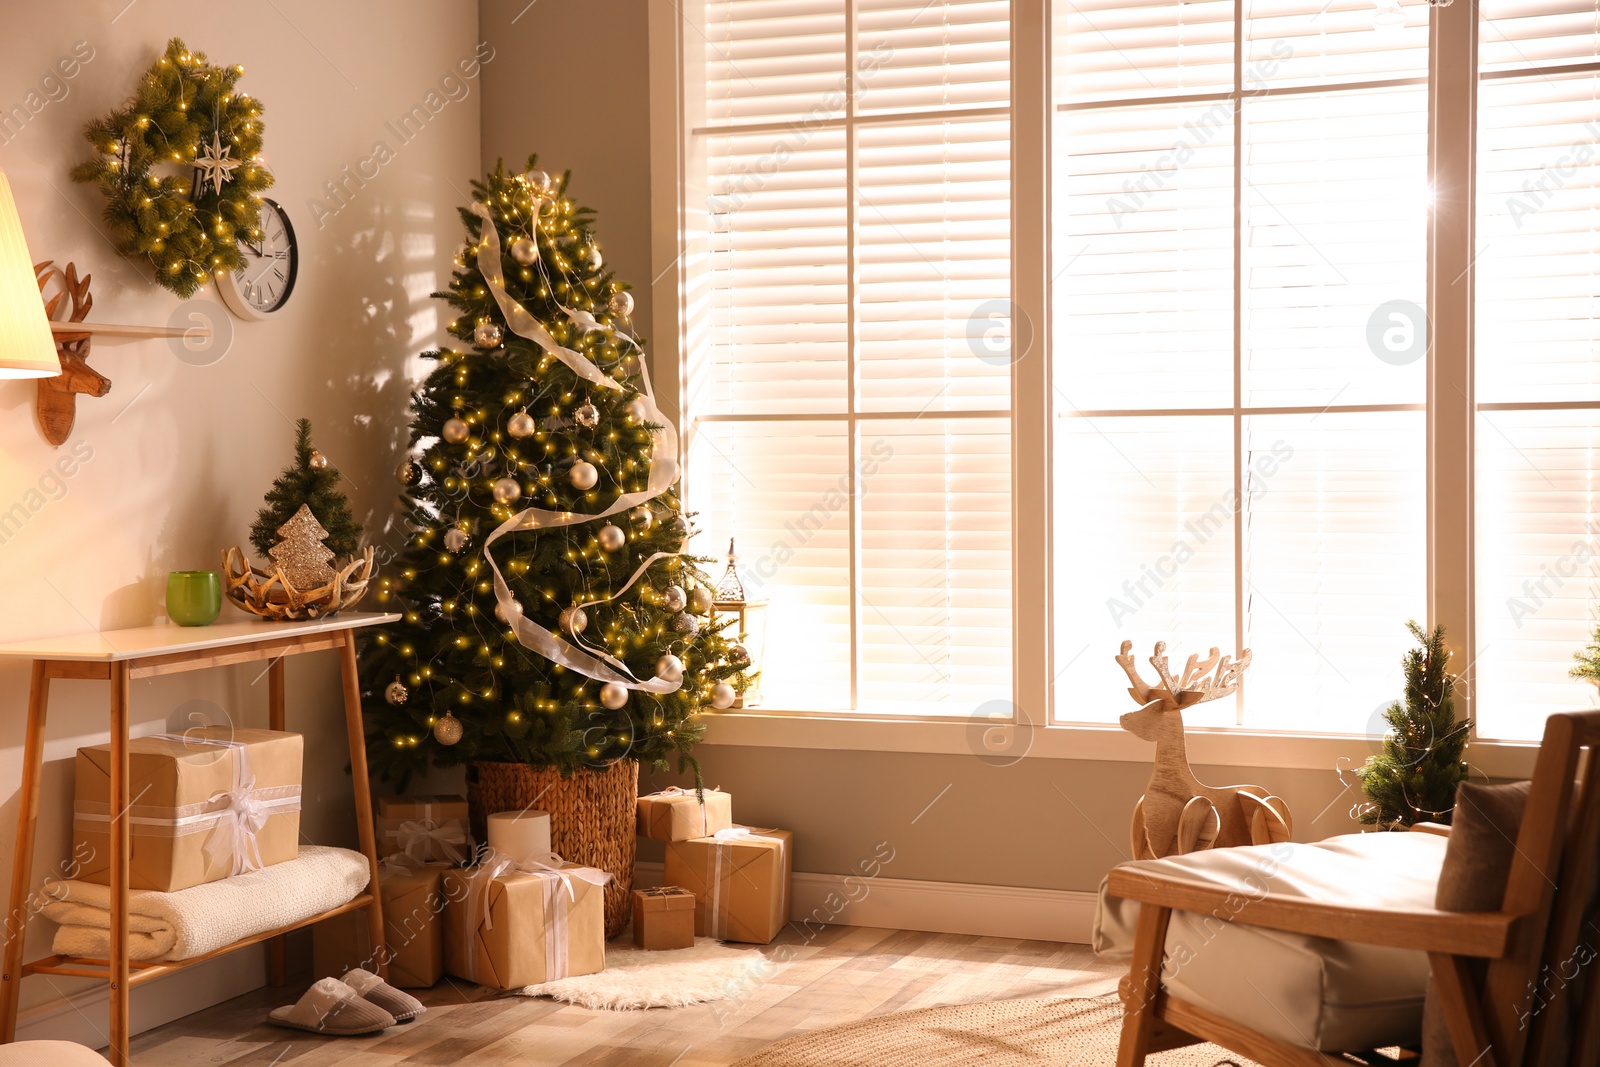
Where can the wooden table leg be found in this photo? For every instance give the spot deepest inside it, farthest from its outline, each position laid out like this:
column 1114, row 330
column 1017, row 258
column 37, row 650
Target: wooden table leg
column 20, row 911
column 358, row 774
column 120, row 844
column 277, row 947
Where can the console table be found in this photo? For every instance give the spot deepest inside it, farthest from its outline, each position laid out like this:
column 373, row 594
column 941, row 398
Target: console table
column 118, row 657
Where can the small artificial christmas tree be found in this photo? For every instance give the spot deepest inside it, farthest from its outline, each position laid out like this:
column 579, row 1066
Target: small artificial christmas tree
column 1588, row 667
column 549, row 615
column 1416, row 774
column 300, row 554
column 310, row 481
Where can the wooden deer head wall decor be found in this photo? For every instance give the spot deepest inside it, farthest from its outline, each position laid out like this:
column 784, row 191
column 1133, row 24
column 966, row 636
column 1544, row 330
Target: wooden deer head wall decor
column 1178, row 814
column 58, row 396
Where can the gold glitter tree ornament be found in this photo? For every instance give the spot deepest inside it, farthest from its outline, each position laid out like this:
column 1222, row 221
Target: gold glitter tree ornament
column 301, row 556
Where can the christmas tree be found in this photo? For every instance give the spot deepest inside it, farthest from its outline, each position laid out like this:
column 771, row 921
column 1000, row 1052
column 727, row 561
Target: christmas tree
column 310, row 481
column 549, row 613
column 1416, row 774
column 1588, row 661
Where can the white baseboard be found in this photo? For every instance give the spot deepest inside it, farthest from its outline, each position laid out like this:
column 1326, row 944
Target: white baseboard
column 933, row 907
column 84, row 1016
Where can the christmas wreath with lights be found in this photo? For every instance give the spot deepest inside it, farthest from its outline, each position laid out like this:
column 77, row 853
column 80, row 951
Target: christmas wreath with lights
column 186, row 113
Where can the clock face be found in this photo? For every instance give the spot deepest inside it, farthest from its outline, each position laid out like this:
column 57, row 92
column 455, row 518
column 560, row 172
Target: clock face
column 266, row 281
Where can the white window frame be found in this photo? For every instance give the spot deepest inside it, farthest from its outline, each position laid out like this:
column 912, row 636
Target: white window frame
column 1450, row 420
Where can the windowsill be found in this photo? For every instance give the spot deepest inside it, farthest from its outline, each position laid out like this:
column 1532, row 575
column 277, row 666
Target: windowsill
column 768, row 728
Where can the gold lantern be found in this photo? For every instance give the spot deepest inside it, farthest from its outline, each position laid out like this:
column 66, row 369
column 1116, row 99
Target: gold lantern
column 750, row 628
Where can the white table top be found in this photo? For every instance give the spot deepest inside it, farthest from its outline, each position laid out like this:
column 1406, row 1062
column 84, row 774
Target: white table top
column 106, row 646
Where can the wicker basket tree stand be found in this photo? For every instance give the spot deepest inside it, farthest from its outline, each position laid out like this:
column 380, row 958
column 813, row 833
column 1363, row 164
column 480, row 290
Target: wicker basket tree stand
column 593, row 815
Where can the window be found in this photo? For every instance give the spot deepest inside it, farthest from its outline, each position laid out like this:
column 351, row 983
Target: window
column 1251, row 332
column 1538, row 380
column 848, row 392
column 1241, row 192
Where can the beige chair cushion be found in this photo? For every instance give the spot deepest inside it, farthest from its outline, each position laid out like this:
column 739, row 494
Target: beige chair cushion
column 1335, row 996
column 53, row 1053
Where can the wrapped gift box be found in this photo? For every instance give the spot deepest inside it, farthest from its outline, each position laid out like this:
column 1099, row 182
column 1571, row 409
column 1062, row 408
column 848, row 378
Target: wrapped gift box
column 680, row 815
column 413, row 925
column 207, row 804
column 740, row 881
column 508, row 926
column 427, row 829
column 663, row 918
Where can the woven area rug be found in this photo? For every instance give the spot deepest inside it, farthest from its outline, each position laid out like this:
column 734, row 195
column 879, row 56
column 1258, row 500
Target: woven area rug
column 635, row 979
column 1001, row 1033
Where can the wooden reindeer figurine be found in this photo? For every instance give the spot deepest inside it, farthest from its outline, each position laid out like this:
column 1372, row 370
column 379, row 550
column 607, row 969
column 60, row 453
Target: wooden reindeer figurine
column 1177, row 814
column 58, row 396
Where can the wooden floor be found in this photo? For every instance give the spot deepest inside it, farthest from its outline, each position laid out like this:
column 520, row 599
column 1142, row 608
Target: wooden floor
column 842, row 973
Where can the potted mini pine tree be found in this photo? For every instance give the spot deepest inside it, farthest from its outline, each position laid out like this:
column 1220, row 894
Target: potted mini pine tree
column 554, row 633
column 1415, row 776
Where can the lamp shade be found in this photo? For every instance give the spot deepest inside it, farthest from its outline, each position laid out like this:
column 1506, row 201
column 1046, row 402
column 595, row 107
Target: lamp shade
column 27, row 349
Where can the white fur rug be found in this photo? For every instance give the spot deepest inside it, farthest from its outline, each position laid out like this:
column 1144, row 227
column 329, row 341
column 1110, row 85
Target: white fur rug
column 634, row 978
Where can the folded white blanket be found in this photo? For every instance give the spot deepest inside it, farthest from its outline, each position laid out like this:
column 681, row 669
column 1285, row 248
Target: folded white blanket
column 204, row 918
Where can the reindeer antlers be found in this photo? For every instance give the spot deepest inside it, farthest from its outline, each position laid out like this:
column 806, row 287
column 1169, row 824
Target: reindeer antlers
column 1192, row 686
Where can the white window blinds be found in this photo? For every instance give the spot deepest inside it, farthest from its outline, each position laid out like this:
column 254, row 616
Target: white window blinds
column 847, row 275
column 1238, row 463
column 1538, row 386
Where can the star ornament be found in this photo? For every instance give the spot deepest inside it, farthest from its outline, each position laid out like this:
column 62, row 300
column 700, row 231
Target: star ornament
column 215, row 164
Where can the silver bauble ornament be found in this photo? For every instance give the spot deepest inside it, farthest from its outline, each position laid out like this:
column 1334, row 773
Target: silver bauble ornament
column 642, row 517
column 507, row 490
column 521, row 425
column 611, row 537
column 684, row 623
column 455, row 431
column 613, row 696
column 318, row 461
column 487, row 335
column 539, row 180
column 595, row 259
column 573, row 620
column 722, row 696
column 586, row 415
column 396, row 693
column 409, row 473
column 635, row 411
column 621, row 304
column 456, row 539
column 678, row 526
column 738, row 655
column 447, row 730
column 501, row 613
column 670, row 667
column 584, row 475
column 524, row 251
column 674, row 598
column 700, row 600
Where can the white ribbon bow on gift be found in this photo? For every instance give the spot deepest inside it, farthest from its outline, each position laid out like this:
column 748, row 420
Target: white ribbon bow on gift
column 557, row 904
column 719, row 921
column 241, row 814
column 415, row 836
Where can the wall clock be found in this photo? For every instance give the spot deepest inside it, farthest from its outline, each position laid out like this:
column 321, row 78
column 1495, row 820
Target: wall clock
column 267, row 278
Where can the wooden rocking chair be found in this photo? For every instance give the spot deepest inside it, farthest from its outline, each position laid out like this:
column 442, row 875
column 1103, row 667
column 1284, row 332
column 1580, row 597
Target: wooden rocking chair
column 1514, row 985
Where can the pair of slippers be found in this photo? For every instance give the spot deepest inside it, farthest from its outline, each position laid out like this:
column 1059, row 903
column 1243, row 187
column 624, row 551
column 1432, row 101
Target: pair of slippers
column 361, row 1003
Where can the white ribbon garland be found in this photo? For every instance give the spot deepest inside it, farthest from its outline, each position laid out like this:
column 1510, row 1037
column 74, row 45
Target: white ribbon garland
column 598, row 665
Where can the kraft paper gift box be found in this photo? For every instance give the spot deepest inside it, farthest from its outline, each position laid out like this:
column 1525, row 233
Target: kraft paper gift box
column 508, row 926
column 413, row 930
column 740, row 881
column 205, row 804
column 663, row 918
column 427, row 829
column 676, row 814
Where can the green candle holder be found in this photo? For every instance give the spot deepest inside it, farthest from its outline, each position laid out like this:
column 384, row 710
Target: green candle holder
column 194, row 598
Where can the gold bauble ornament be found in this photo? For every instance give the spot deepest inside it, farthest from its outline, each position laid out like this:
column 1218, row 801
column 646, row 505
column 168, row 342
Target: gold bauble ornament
column 521, row 425
column 455, row 431
column 573, row 620
column 621, row 304
column 507, row 490
column 396, row 693
column 524, row 251
column 318, row 461
column 447, row 729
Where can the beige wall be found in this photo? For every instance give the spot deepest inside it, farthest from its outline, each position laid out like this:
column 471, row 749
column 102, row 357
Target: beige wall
column 180, row 454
